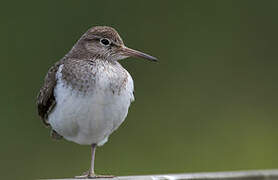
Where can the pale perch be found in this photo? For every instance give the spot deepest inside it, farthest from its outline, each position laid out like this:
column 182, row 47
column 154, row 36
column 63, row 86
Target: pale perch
column 231, row 175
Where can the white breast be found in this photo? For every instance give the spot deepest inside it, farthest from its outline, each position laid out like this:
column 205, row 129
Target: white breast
column 91, row 117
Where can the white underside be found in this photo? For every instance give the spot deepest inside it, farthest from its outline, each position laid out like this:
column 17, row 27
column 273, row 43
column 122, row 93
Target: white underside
column 89, row 118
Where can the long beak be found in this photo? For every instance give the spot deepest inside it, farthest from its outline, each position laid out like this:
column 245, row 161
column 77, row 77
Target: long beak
column 134, row 53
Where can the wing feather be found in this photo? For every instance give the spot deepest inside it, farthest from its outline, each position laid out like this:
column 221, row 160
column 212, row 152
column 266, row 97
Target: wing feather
column 45, row 99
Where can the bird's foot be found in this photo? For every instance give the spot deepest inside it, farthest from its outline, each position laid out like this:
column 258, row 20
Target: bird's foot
column 88, row 175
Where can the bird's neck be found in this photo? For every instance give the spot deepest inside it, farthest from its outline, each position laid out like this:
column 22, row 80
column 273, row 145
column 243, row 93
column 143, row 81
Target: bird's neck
column 79, row 51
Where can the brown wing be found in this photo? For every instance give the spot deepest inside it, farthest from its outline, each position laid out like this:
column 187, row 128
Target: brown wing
column 46, row 100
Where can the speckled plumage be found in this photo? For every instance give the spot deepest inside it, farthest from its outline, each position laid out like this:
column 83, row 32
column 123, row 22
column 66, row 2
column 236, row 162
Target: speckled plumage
column 86, row 95
column 93, row 102
column 82, row 78
column 79, row 71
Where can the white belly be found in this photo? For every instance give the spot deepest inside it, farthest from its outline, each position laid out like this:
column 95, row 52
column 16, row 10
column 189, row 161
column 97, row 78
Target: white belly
column 89, row 118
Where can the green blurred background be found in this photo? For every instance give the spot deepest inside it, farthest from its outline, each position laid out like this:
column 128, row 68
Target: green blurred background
column 210, row 104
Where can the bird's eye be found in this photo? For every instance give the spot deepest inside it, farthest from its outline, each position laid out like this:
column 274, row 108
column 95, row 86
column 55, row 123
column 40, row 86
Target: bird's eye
column 105, row 42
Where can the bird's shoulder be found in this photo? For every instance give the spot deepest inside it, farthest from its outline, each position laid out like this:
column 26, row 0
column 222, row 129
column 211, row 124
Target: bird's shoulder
column 79, row 74
column 78, row 68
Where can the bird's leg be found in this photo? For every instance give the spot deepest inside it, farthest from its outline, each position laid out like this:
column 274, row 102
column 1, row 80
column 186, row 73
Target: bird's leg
column 91, row 173
column 92, row 168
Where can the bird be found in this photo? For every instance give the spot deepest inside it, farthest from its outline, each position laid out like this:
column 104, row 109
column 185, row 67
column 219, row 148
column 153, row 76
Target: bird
column 86, row 95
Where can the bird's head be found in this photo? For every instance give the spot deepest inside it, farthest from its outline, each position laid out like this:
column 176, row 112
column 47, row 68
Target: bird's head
column 104, row 42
